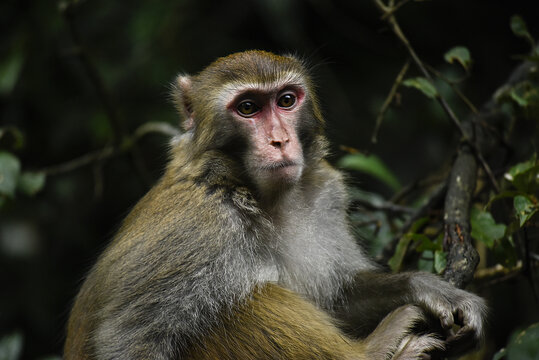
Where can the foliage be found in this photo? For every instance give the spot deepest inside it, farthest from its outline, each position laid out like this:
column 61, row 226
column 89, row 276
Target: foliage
column 522, row 179
column 520, row 188
column 461, row 54
column 485, row 229
column 524, row 345
column 422, row 84
column 520, row 29
column 12, row 179
column 372, row 165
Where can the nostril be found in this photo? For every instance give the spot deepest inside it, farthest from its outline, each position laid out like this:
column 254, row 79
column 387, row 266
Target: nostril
column 276, row 143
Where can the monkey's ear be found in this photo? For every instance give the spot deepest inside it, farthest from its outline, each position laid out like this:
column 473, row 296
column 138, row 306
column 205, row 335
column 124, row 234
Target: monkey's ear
column 181, row 95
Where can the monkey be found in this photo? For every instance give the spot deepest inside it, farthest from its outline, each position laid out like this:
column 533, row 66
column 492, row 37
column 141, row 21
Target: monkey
column 243, row 250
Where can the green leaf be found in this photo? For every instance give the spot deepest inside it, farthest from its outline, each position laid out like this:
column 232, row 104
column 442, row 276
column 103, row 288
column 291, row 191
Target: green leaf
column 460, row 54
column 520, row 168
column 500, row 354
column 422, row 84
column 10, row 167
column 484, row 228
column 396, row 260
column 426, row 262
column 527, row 181
column 11, row 346
column 10, row 70
column 518, row 99
column 30, row 183
column 525, row 176
column 371, row 165
column 524, row 208
column 425, row 243
column 440, row 261
column 502, row 195
column 418, row 224
column 524, row 345
column 519, row 28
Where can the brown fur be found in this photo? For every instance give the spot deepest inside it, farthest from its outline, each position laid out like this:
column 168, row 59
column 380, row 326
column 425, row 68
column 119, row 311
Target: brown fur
column 278, row 324
column 275, row 324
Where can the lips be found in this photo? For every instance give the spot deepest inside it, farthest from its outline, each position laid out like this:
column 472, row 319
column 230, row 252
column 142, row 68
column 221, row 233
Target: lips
column 280, row 165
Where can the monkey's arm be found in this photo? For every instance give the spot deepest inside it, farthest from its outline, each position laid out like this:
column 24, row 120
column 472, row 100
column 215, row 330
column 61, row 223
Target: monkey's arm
column 275, row 323
column 374, row 294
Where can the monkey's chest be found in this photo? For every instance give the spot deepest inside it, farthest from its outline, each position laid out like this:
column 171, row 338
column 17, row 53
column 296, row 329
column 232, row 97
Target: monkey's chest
column 306, row 264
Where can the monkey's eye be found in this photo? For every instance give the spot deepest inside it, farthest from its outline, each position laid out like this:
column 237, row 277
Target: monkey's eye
column 286, row 101
column 247, row 108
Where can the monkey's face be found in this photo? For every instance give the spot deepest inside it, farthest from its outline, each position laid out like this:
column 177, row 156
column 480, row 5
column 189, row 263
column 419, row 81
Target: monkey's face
column 268, row 117
column 259, row 108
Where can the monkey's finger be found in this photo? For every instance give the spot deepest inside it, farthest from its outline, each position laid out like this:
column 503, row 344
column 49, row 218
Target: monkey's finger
column 465, row 332
column 447, row 320
column 461, row 341
column 418, row 347
column 459, row 317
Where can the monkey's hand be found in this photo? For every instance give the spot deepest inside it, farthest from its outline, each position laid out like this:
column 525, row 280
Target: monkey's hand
column 454, row 307
column 394, row 336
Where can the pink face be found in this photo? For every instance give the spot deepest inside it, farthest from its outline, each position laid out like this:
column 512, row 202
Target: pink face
column 269, row 117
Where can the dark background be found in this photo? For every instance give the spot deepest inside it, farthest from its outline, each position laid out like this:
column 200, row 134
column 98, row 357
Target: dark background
column 48, row 242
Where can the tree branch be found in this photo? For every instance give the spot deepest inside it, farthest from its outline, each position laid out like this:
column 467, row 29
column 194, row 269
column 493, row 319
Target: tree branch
column 86, row 159
column 111, row 150
column 462, row 258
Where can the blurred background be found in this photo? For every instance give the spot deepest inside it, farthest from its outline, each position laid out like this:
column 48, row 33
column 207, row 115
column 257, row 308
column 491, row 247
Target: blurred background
column 51, row 61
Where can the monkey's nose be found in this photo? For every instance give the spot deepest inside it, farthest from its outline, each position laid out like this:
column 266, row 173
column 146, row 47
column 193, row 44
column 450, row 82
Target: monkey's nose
column 279, row 143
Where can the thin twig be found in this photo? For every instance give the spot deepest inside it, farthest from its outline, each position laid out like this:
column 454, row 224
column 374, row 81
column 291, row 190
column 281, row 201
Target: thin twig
column 90, row 158
column 393, row 9
column 398, row 32
column 156, row 127
column 418, row 184
column 455, row 88
column 384, row 206
column 486, row 278
column 392, row 21
column 387, row 102
column 111, row 150
column 434, row 201
column 496, row 271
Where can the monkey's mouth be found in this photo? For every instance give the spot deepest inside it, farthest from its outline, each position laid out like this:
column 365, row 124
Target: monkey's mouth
column 283, row 164
column 280, row 165
column 285, row 170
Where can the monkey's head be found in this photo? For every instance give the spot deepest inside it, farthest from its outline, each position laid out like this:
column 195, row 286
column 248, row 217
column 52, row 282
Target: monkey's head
column 259, row 107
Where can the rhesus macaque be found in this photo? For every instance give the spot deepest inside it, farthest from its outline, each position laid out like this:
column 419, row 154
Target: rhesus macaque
column 243, row 250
